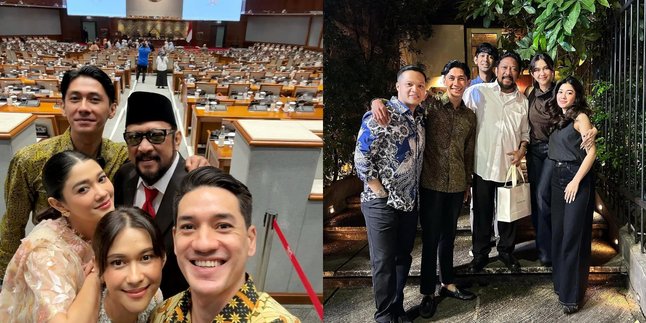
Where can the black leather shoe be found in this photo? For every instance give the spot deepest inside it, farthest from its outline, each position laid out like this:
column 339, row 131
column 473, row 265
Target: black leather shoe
column 427, row 307
column 510, row 261
column 570, row 309
column 477, row 264
column 461, row 294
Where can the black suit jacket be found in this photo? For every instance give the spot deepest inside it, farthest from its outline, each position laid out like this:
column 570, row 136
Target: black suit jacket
column 125, row 188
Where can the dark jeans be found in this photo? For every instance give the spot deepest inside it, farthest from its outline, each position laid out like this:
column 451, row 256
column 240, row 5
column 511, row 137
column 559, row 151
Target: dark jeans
column 438, row 217
column 572, row 232
column 141, row 69
column 484, row 199
column 391, row 235
column 539, row 171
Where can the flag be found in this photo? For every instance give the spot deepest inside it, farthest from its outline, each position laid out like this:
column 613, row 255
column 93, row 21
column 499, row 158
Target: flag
column 189, row 33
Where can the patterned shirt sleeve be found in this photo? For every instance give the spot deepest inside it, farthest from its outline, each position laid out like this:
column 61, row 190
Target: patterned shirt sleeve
column 19, row 201
column 365, row 153
column 50, row 274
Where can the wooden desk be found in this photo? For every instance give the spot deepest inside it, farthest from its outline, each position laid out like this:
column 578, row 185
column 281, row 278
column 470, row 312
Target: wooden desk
column 44, row 111
column 202, row 120
column 219, row 156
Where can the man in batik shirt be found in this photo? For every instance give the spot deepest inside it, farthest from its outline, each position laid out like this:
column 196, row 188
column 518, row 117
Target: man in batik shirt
column 389, row 161
column 213, row 238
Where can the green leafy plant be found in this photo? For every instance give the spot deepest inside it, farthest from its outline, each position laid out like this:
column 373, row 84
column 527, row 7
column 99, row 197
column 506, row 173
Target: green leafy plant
column 565, row 29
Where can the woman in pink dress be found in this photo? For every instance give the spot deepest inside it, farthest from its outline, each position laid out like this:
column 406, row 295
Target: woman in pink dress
column 51, row 277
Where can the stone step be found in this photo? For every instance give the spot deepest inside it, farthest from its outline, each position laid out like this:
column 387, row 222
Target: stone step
column 352, row 259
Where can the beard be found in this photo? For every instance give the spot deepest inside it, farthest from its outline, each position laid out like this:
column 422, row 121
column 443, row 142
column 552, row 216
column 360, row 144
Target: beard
column 509, row 88
column 151, row 177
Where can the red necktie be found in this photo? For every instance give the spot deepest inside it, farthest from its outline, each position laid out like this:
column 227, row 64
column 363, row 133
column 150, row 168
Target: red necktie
column 151, row 193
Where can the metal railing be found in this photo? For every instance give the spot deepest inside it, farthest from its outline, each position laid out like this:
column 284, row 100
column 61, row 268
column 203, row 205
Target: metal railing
column 621, row 180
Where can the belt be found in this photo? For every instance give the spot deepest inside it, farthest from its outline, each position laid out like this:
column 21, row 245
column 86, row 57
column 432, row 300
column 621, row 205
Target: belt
column 558, row 163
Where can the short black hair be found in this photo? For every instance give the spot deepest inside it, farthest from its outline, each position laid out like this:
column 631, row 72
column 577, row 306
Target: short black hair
column 416, row 67
column 512, row 55
column 210, row 176
column 489, row 49
column 456, row 64
column 89, row 71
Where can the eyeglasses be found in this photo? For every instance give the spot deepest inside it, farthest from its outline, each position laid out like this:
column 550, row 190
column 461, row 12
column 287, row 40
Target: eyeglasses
column 154, row 136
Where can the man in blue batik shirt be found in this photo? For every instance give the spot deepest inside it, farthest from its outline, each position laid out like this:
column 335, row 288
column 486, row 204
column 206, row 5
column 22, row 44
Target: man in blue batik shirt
column 389, row 162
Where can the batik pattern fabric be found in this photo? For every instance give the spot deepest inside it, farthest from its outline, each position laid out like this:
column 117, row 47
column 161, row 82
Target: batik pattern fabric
column 24, row 190
column 45, row 274
column 392, row 154
column 248, row 305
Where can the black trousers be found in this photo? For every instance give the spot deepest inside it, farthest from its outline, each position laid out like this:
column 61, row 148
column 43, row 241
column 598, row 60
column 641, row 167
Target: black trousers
column 484, row 199
column 438, row 217
column 539, row 171
column 572, row 232
column 141, row 69
column 391, row 235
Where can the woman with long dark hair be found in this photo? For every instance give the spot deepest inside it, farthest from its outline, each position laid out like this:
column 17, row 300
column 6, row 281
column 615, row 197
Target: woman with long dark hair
column 130, row 254
column 572, row 200
column 51, row 277
column 538, row 169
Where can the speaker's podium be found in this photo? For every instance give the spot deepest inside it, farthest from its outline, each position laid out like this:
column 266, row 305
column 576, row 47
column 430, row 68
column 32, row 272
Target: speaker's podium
column 277, row 160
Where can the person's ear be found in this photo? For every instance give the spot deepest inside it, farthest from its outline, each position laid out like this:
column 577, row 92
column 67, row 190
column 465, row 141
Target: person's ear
column 251, row 235
column 59, row 206
column 113, row 110
column 178, row 139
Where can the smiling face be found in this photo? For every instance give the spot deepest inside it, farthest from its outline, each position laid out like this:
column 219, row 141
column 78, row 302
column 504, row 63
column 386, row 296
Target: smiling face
column 484, row 61
column 565, row 96
column 542, row 74
column 411, row 88
column 87, row 197
column 212, row 242
column 507, row 72
column 456, row 82
column 87, row 106
column 153, row 160
column 133, row 271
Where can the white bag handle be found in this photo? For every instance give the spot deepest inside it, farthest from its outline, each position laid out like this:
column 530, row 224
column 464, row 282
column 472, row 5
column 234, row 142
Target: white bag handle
column 511, row 173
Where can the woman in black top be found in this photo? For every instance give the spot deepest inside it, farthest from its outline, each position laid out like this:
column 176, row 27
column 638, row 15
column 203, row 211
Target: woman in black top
column 572, row 192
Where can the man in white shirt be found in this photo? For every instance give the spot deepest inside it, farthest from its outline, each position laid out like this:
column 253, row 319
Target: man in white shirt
column 501, row 140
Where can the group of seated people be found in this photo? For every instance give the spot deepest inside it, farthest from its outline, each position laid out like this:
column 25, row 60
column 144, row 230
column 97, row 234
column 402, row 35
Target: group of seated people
column 173, row 250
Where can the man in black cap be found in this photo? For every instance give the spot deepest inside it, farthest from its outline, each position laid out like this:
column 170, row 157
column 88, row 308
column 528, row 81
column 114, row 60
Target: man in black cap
column 152, row 177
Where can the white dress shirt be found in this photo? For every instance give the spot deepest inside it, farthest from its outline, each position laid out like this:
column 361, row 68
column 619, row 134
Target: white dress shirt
column 160, row 185
column 502, row 124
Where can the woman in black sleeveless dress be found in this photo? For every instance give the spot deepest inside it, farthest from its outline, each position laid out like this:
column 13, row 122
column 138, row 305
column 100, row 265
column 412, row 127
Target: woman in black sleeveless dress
column 572, row 193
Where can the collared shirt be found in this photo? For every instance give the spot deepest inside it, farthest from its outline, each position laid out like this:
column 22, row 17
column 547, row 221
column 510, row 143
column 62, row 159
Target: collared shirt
column 539, row 116
column 392, row 154
column 24, row 191
column 502, row 125
column 46, row 274
column 248, row 305
column 479, row 80
column 450, row 142
column 160, row 185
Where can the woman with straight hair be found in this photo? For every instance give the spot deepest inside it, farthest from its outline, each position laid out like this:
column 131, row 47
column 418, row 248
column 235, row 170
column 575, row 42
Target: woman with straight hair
column 51, row 277
column 572, row 193
column 130, row 254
